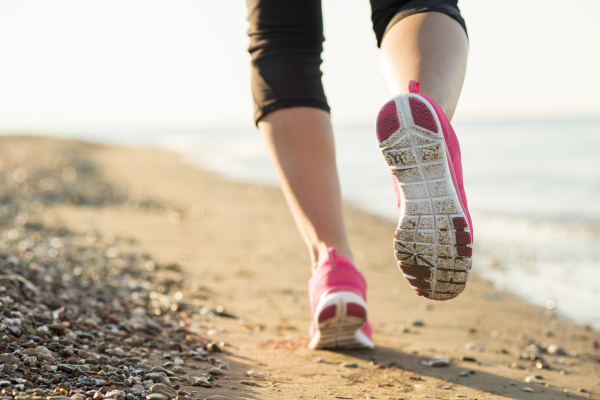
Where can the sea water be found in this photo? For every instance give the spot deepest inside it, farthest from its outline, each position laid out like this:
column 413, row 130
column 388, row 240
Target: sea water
column 533, row 190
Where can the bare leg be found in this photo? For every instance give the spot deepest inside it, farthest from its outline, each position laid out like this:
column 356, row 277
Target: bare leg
column 431, row 48
column 300, row 141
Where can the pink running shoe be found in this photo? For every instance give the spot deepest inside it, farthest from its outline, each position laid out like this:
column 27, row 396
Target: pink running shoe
column 433, row 241
column 338, row 306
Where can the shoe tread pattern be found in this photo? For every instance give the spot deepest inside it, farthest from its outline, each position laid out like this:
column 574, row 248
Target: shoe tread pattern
column 432, row 243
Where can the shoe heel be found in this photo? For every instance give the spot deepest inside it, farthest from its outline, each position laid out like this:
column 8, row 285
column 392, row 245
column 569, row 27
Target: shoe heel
column 340, row 317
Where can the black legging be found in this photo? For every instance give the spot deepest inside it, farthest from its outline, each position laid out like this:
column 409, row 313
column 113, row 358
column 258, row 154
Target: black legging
column 286, row 41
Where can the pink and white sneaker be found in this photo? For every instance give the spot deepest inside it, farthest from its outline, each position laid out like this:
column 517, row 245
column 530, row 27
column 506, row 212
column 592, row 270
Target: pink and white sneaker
column 433, row 241
column 338, row 306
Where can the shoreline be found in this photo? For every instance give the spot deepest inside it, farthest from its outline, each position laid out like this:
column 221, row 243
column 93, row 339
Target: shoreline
column 242, row 252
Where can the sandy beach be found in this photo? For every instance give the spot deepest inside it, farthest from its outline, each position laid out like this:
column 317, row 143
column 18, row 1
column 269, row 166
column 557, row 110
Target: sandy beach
column 244, row 272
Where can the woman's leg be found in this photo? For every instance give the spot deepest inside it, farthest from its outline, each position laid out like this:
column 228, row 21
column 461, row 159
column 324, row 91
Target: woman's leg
column 428, row 47
column 300, row 141
column 286, row 41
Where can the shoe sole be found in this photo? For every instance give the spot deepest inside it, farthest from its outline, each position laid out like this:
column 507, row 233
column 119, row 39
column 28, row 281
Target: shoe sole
column 340, row 317
column 432, row 243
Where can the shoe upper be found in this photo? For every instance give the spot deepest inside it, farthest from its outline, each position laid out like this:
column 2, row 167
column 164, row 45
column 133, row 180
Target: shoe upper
column 453, row 149
column 336, row 274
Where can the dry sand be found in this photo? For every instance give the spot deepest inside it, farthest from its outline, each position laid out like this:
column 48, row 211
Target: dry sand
column 245, row 255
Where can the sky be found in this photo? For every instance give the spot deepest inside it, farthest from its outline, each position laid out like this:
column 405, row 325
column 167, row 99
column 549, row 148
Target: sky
column 72, row 65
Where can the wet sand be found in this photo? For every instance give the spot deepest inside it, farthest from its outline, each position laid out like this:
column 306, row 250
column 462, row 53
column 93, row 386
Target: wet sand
column 238, row 248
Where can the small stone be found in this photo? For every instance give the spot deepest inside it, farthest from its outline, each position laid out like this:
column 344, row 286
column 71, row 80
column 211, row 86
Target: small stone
column 557, row 350
column 85, row 381
column 437, row 362
column 248, row 383
column 349, row 365
column 213, row 348
column 416, row 322
column 540, row 363
column 158, row 369
column 157, row 396
column 203, row 383
column 101, row 347
column 527, row 389
column 468, row 359
column 159, row 377
column 178, row 369
column 98, row 396
column 58, row 327
column 84, row 354
column 8, row 358
column 4, row 383
column 66, row 368
column 15, row 330
column 530, row 379
column 46, row 357
column 163, row 389
column 216, row 371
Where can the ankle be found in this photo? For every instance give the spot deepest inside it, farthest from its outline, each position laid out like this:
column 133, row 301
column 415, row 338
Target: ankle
column 320, row 253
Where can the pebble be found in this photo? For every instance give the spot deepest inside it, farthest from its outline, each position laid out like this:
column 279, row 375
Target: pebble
column 202, row 383
column 77, row 308
column 349, row 365
column 163, row 389
column 213, row 348
column 216, row 371
column 158, row 369
column 436, row 362
column 157, row 396
column 159, row 377
column 527, row 389
column 416, row 322
column 531, row 379
column 557, row 350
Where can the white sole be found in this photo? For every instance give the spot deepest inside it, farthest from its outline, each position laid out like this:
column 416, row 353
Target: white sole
column 340, row 330
column 432, row 243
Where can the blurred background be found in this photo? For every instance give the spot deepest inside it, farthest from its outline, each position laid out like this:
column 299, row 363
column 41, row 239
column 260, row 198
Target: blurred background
column 176, row 75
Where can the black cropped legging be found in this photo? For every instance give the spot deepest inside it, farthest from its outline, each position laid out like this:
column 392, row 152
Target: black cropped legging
column 286, row 41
